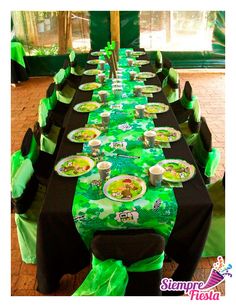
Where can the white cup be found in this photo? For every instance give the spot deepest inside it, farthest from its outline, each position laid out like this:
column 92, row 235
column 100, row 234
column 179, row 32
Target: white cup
column 149, row 137
column 117, row 90
column 104, row 169
column 102, row 64
column 128, row 53
column 155, row 175
column 95, row 146
column 132, row 75
column 138, row 90
column 140, row 110
column 130, row 62
column 119, row 75
column 116, row 81
column 101, row 77
column 105, row 118
column 103, row 96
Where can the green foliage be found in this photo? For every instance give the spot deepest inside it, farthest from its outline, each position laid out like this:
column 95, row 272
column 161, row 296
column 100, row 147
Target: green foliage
column 53, row 50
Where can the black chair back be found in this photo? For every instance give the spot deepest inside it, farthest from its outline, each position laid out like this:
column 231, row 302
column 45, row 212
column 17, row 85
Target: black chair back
column 131, row 246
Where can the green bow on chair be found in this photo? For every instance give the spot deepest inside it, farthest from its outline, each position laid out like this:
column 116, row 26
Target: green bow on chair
column 110, row 277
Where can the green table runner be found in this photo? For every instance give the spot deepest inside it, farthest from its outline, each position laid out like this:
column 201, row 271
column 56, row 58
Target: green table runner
column 92, row 210
column 18, row 53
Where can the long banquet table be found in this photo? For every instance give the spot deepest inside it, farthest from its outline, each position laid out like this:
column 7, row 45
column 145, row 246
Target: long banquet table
column 60, row 249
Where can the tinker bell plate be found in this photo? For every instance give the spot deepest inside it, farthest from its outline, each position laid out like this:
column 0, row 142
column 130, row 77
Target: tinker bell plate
column 89, row 86
column 87, row 106
column 140, row 62
column 94, row 62
column 137, row 53
column 82, row 135
column 124, row 188
column 167, row 134
column 156, row 107
column 177, row 170
column 98, row 53
column 74, row 166
column 92, row 72
column 145, row 75
column 149, row 89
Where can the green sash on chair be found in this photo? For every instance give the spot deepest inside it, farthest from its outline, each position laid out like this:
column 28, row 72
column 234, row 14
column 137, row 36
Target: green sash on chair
column 110, row 277
column 67, row 93
column 172, row 94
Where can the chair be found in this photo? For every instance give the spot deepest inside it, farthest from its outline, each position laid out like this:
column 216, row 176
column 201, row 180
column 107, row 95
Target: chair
column 64, row 91
column 170, row 85
column 130, row 262
column 215, row 243
column 76, row 71
column 158, row 62
column 166, row 65
column 49, row 131
column 191, row 127
column 27, row 196
column 207, row 158
column 183, row 107
column 42, row 162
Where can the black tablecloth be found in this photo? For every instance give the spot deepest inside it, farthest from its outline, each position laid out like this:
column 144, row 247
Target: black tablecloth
column 18, row 72
column 60, row 249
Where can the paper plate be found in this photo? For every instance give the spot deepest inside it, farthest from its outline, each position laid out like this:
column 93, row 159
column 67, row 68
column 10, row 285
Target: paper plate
column 94, row 62
column 156, row 107
column 145, row 75
column 149, row 89
column 124, row 188
column 92, row 72
column 87, row 106
column 137, row 53
column 98, row 53
column 177, row 170
column 74, row 166
column 83, row 135
column 167, row 134
column 89, row 86
column 140, row 62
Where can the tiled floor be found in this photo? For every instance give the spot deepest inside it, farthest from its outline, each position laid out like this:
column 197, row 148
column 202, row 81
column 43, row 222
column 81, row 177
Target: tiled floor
column 208, row 86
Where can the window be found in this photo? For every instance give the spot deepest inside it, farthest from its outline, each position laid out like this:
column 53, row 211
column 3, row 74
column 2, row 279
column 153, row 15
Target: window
column 176, row 30
column 50, row 33
column 80, row 31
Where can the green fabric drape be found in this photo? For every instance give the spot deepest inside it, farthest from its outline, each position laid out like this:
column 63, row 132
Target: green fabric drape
column 21, row 178
column 172, row 94
column 215, row 243
column 18, row 53
column 129, row 38
column 48, row 141
column 186, row 103
column 16, row 161
column 208, row 160
column 34, row 151
column 99, row 20
column 27, row 227
column 110, row 277
column 67, row 93
column 212, row 162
